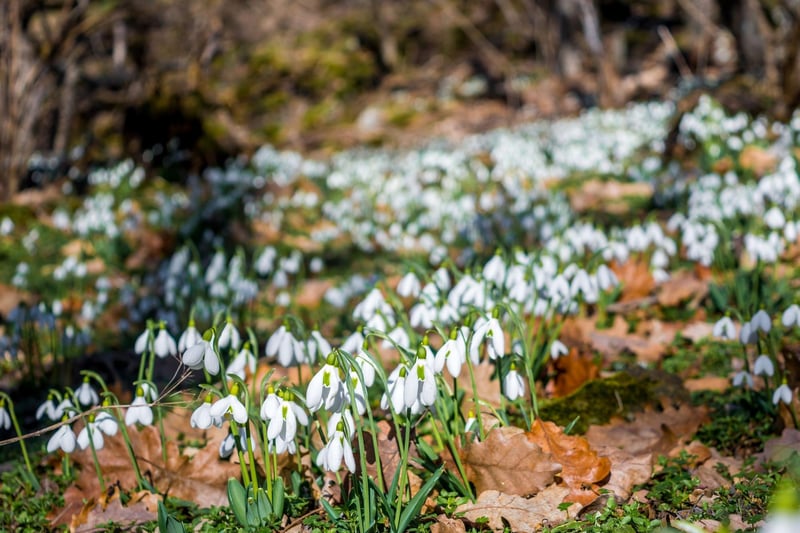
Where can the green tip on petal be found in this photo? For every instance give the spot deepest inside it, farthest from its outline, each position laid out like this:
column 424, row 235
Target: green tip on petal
column 421, row 372
column 326, row 379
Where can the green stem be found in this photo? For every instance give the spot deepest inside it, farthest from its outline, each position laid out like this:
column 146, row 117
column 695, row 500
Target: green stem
column 22, row 446
column 97, row 469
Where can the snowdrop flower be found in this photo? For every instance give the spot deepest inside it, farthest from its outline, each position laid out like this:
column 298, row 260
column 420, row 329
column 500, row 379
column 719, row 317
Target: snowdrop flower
column 493, row 331
column 64, row 407
column 420, row 383
column 326, row 388
column 782, row 394
column 724, row 329
column 352, row 343
column 791, row 317
column 409, row 286
column 748, row 334
column 774, row 218
column 367, row 365
column 743, row 378
column 283, row 423
column 495, row 269
column 451, row 354
column 606, row 279
column 285, row 347
column 317, row 345
column 189, row 337
column 229, row 336
column 5, row 417
column 471, row 423
column 86, row 394
column 763, row 366
column 164, row 344
column 107, row 423
column 271, row 405
column 63, row 438
column 245, row 359
column 144, row 341
column 344, row 417
column 139, row 411
column 557, row 349
column 201, row 417
column 230, row 405
column 513, row 384
column 228, row 444
column 761, row 321
column 202, row 355
column 47, row 408
column 398, row 337
column 338, row 448
column 97, row 426
column 396, row 389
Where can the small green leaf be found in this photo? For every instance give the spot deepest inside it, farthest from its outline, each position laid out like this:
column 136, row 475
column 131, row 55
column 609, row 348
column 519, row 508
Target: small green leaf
column 237, row 498
column 415, row 505
column 278, row 497
column 166, row 523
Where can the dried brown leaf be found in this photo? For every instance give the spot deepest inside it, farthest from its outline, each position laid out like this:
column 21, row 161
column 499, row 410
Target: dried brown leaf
column 523, row 515
column 581, row 467
column 389, row 454
column 681, row 288
column 509, row 460
column 444, row 524
column 142, row 508
column 781, row 448
column 635, row 277
column 572, row 371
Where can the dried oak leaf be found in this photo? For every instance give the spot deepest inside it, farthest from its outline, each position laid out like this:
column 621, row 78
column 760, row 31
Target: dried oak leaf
column 781, row 448
column 680, row 288
column 142, row 508
column 509, row 460
column 581, row 467
column 571, row 371
column 635, row 278
column 445, row 524
column 521, row 514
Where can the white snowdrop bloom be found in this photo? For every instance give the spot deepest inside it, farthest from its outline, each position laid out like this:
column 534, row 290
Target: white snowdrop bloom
column 144, row 342
column 447, row 314
column 317, row 347
column 48, row 407
column 316, row 265
column 492, row 332
column 584, row 285
column 202, row 355
column 743, row 378
column 409, row 286
column 397, row 337
column 326, row 388
column 265, row 263
column 367, row 365
column 452, row 354
column 441, row 278
column 164, row 344
column 659, row 259
column 557, row 349
column 230, row 405
column 396, row 390
column 64, row 407
column 420, row 382
column 189, row 337
column 791, row 316
column 660, row 275
column 63, row 438
column 764, row 366
column 97, row 440
column 244, row 360
column 606, row 279
column 344, row 417
column 337, row 449
column 270, row 407
column 286, row 348
column 86, row 393
column 513, row 384
column 139, row 411
column 748, row 334
column 229, row 336
column 790, row 232
column 107, row 423
column 724, row 328
column 422, row 316
column 201, row 417
column 774, row 218
column 782, row 394
column 761, row 321
column 495, row 269
column 283, row 426
column 354, row 341
column 228, row 444
column 5, row 417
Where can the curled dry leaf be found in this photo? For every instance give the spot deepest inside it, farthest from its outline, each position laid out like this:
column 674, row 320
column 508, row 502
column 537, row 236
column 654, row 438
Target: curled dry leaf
column 445, row 524
column 142, row 508
column 509, row 460
column 523, row 515
column 682, row 287
column 635, row 278
column 581, row 467
column 571, row 371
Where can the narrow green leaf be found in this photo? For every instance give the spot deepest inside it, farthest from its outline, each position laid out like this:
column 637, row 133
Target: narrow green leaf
column 415, row 505
column 237, row 498
column 278, row 497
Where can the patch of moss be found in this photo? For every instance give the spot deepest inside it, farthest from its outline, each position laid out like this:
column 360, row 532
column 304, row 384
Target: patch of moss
column 706, row 357
column 597, row 401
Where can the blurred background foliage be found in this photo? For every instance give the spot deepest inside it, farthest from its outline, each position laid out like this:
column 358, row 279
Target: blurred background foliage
column 183, row 84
